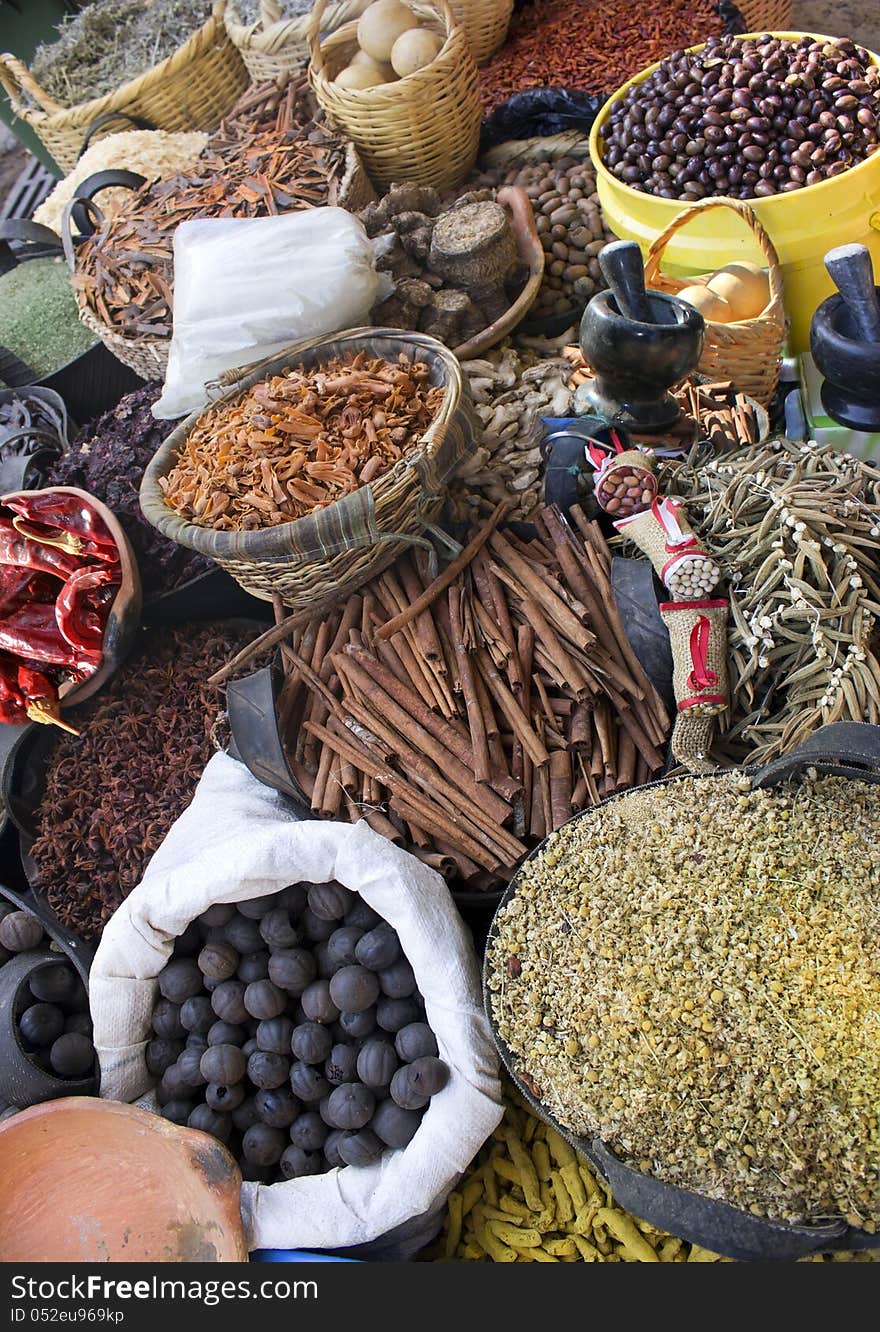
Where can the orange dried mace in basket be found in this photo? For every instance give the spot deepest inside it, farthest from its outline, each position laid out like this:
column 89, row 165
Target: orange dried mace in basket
column 298, row 441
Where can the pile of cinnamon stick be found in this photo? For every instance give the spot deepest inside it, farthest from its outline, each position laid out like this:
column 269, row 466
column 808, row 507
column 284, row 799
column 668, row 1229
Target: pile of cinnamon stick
column 467, row 717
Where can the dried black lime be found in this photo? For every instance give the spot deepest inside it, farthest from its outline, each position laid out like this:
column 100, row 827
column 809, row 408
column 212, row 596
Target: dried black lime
column 277, row 929
column 166, row 1019
column 360, row 1147
column 315, row 928
column 263, row 1145
column 210, row 1121
column 361, row 915
column 56, row 983
column 228, row 1001
column 340, row 947
column 358, row 1025
column 254, row 966
column 197, row 1014
column 268, row 1070
column 263, row 1000
column 296, row 1163
column 350, row 1106
column 218, row 961
column 341, row 1065
column 394, row 1125
column 379, row 948
column 330, row 901
column 398, row 981
column 226, row 1033
column 224, row 1064
column 161, row 1054
column 243, row 933
column 255, row 908
column 414, row 1041
column 20, row 931
column 392, row 1014
column 246, row 1114
column 311, row 1042
column 277, row 1106
column 189, row 1066
column 406, row 1090
column 41, row 1024
column 331, row 1149
column 274, row 1035
column 307, row 1082
column 317, row 1003
column 309, row 1131
column 352, row 989
column 72, row 1056
column 292, row 969
column 178, row 1111
column 377, row 1062
column 223, row 1098
column 180, row 979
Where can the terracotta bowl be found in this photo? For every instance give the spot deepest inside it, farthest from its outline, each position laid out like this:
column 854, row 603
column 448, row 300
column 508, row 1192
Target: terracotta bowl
column 125, row 610
column 92, row 1181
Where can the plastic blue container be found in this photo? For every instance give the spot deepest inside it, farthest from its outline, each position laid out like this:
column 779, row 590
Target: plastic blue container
column 296, row 1256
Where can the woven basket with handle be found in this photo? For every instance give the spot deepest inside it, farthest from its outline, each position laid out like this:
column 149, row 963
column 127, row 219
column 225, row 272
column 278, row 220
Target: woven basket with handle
column 148, row 356
column 485, row 24
column 276, row 45
column 424, row 128
column 766, row 15
column 320, row 559
column 192, row 89
column 749, row 353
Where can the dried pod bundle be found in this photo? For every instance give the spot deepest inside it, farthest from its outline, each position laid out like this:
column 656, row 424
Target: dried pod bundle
column 268, row 157
column 796, row 530
column 318, row 1070
column 112, row 793
column 710, row 1001
column 468, row 717
column 300, row 440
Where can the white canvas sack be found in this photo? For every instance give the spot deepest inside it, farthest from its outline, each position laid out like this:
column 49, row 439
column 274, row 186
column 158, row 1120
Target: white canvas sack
column 238, row 840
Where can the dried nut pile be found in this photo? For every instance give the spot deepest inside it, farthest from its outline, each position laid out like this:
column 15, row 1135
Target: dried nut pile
column 512, row 390
column 796, row 529
column 694, row 978
column 569, row 222
column 290, row 1028
column 298, row 441
column 528, row 1198
column 746, row 118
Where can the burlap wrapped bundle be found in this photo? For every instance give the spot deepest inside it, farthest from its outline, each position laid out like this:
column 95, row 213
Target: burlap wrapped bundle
column 664, row 534
column 698, row 634
column 625, row 482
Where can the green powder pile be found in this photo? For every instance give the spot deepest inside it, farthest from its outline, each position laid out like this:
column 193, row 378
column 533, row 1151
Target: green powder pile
column 38, row 316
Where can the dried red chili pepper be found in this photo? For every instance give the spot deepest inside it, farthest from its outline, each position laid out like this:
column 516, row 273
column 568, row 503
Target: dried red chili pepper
column 16, row 549
column 65, row 521
column 41, row 702
column 32, row 631
column 80, row 623
column 12, row 707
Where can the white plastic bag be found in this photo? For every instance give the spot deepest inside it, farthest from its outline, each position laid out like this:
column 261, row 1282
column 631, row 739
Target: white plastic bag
column 245, row 288
column 238, row 840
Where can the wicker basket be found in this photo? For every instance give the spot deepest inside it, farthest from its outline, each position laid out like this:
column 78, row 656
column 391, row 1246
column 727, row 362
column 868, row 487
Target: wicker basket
column 275, row 45
column 322, row 558
column 192, row 89
column 485, row 24
column 424, row 128
column 766, row 15
column 749, row 353
column 148, row 357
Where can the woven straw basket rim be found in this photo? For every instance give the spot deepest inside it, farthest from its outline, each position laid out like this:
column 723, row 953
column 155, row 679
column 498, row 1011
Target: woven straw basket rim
column 273, row 542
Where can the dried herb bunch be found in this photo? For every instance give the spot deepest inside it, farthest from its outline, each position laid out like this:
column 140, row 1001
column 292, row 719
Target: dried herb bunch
column 268, row 157
column 108, row 458
column 694, row 978
column 298, row 441
column 112, row 793
column 796, row 527
column 112, row 41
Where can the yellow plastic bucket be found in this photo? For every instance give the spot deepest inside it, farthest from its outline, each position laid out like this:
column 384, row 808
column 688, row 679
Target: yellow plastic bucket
column 803, row 225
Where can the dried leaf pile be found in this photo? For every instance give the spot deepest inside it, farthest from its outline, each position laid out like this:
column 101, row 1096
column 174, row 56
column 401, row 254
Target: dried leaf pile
column 298, row 441
column 796, row 527
column 268, row 158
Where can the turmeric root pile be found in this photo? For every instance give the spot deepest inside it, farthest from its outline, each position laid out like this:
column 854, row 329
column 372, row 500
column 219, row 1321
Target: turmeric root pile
column 298, row 441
